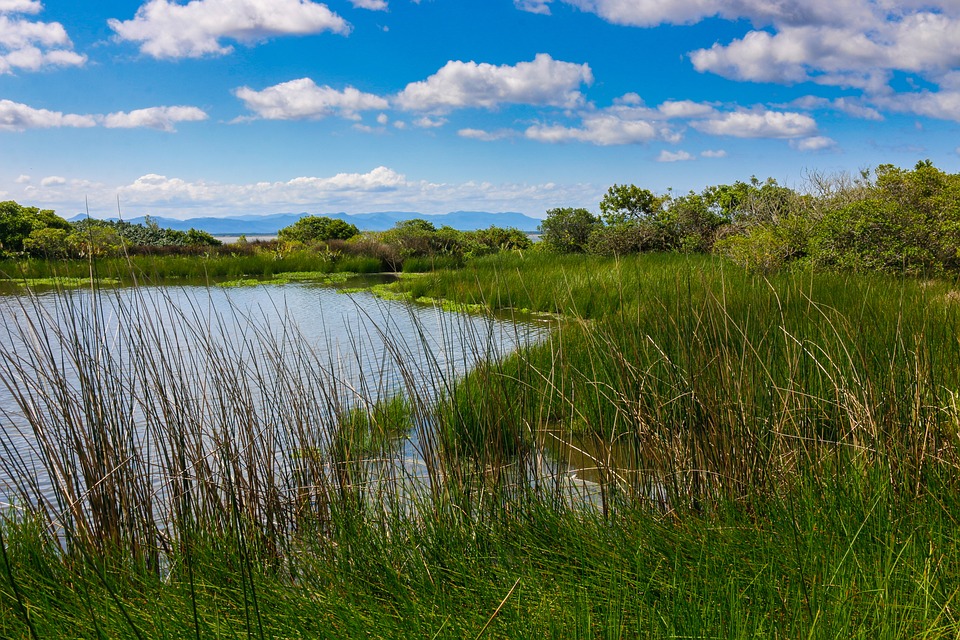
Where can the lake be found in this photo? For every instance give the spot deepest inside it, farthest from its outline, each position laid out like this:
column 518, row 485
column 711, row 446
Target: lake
column 154, row 391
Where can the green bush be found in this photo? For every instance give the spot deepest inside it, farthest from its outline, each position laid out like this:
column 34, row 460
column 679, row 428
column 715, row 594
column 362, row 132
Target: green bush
column 312, row 229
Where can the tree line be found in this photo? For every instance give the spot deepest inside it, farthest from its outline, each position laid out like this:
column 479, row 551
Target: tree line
column 35, row 232
column 890, row 220
column 411, row 244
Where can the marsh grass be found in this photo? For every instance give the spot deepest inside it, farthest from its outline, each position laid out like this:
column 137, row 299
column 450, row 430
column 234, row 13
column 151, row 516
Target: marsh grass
column 216, row 267
column 791, row 445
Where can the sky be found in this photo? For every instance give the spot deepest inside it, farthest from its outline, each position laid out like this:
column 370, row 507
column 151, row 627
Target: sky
column 237, row 107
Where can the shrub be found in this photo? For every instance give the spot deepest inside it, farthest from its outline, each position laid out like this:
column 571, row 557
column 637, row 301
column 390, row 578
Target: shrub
column 567, row 230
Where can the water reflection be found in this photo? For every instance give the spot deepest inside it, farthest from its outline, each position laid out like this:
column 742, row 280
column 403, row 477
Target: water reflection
column 278, row 362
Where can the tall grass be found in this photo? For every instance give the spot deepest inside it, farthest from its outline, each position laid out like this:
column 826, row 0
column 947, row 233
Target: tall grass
column 716, row 382
column 772, row 458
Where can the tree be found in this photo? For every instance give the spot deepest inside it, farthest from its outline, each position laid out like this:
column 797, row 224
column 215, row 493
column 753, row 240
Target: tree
column 501, row 239
column 567, row 230
column 625, row 203
column 310, row 229
column 692, row 222
column 18, row 222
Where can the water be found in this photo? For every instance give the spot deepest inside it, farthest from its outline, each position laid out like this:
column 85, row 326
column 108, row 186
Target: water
column 226, row 366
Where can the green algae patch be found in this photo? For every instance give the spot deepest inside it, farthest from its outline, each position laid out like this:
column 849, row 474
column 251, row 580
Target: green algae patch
column 311, row 277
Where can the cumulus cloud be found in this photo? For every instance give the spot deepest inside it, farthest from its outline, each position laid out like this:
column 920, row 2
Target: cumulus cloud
column 649, row 13
column 372, row 5
column 813, row 143
column 543, row 81
column 20, row 6
column 943, row 105
column 303, row 100
column 713, row 153
column 629, row 121
column 604, row 129
column 381, row 189
column 858, row 44
column 685, row 109
column 866, row 42
column 758, row 124
column 31, row 45
column 53, row 181
column 166, row 29
column 673, row 156
column 20, row 117
column 162, row 118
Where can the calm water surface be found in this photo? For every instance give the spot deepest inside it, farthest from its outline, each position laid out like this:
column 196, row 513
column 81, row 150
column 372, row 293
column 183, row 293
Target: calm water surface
column 359, row 347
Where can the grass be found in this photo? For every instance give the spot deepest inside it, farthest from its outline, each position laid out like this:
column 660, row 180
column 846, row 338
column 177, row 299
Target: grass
column 235, row 268
column 786, row 466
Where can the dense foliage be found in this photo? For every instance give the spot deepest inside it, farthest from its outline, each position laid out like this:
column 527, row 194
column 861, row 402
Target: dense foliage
column 411, row 245
column 29, row 231
column 891, row 220
column 309, row 229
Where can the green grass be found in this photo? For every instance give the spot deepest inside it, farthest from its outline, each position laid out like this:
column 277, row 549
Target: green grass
column 790, row 471
column 262, row 266
column 857, row 563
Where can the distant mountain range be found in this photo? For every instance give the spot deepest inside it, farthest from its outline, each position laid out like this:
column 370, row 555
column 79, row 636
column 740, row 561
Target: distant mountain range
column 271, row 224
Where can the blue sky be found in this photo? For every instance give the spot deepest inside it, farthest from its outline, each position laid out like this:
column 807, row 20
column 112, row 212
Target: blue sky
column 223, row 107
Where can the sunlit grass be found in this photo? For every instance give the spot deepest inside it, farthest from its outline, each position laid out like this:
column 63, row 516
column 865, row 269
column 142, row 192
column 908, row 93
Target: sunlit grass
column 777, row 456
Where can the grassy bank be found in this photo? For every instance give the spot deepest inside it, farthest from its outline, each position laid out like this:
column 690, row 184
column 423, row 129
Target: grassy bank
column 180, row 269
column 777, row 457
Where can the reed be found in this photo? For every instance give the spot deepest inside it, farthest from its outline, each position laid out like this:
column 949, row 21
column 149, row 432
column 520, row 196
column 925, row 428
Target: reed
column 771, row 457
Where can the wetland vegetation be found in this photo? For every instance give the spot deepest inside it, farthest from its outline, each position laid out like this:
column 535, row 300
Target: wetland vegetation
column 741, row 420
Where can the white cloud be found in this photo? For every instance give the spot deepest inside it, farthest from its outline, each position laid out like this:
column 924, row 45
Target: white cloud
column 485, row 136
column 852, row 107
column 685, row 109
column 167, row 29
column 604, row 129
column 861, row 47
column 20, row 6
column 713, row 153
column 943, row 105
column 649, row 13
column 541, row 7
column 758, row 124
column 544, row 81
column 372, row 5
column 427, row 122
column 814, row 143
column 380, row 189
column 163, row 118
column 673, row 156
column 303, row 100
column 154, row 188
column 20, row 117
column 31, row 45
column 23, row 179
column 860, row 44
column 832, row 56
column 53, row 181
